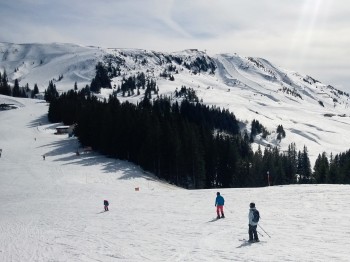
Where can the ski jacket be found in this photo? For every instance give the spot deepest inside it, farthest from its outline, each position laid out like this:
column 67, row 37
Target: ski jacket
column 219, row 201
column 106, row 203
column 251, row 216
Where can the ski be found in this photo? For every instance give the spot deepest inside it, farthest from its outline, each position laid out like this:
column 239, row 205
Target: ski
column 216, row 219
column 249, row 242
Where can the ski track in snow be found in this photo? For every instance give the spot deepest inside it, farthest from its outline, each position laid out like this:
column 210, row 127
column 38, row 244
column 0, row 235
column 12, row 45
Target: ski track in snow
column 51, row 210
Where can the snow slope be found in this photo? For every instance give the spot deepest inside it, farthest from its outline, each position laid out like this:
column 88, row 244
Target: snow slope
column 41, row 63
column 312, row 113
column 52, row 209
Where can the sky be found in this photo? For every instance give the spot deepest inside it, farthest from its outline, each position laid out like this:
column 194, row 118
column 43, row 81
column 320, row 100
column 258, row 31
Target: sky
column 52, row 209
column 309, row 36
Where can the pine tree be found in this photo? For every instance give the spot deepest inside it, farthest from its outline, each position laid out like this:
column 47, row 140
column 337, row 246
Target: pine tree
column 291, row 164
column 258, row 177
column 321, row 169
column 304, row 167
column 35, row 90
column 16, row 92
column 333, row 170
column 101, row 79
column 51, row 92
column 4, row 86
column 27, row 89
column 280, row 132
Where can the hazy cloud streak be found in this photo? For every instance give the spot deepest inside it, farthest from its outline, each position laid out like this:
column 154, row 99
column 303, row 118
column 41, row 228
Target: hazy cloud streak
column 310, row 36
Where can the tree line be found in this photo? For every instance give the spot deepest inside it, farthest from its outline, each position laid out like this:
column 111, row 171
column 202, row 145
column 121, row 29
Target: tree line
column 185, row 143
column 16, row 90
column 335, row 170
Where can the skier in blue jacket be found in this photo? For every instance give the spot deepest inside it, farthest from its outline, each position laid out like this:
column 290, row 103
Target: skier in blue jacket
column 219, row 203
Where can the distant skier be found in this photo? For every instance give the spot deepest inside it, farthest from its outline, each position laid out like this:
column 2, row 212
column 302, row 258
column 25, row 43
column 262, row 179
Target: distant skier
column 253, row 223
column 219, row 203
column 106, row 204
column 43, row 157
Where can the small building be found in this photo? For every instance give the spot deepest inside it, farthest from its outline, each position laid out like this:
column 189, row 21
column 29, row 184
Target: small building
column 40, row 96
column 60, row 130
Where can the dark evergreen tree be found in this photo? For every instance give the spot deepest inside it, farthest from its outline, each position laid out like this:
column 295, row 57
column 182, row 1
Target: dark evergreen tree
column 19, row 91
column 258, row 177
column 280, row 132
column 333, row 170
column 101, row 80
column 141, row 80
column 304, row 167
column 16, row 92
column 35, row 90
column 278, row 164
column 321, row 169
column 128, row 85
column 5, row 88
column 344, row 173
column 51, row 92
column 291, row 164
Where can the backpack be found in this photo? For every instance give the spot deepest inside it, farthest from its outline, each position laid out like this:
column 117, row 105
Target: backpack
column 256, row 216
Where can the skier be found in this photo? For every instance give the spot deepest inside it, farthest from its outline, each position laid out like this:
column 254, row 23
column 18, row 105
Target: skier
column 105, row 202
column 43, row 157
column 253, row 223
column 219, row 203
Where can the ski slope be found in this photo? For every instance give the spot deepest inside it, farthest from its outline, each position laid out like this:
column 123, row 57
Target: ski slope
column 52, row 209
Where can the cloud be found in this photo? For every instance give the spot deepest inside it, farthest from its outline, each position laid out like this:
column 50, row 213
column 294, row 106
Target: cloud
column 310, row 35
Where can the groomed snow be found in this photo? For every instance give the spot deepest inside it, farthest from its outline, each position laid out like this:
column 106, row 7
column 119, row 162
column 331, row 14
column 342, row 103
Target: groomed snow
column 52, row 209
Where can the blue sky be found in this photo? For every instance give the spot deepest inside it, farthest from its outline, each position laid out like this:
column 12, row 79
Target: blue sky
column 310, row 36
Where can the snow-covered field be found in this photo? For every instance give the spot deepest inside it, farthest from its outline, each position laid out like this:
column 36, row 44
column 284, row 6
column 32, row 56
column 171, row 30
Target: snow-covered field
column 52, row 209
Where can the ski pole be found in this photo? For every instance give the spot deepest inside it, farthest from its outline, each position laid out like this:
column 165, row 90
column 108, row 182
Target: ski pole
column 260, row 233
column 264, row 231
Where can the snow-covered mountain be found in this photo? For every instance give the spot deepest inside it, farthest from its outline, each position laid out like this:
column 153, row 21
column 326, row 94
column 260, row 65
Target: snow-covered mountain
column 312, row 113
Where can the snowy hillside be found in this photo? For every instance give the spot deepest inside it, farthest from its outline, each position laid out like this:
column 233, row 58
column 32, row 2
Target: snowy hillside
column 41, row 63
column 312, row 113
column 52, row 209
